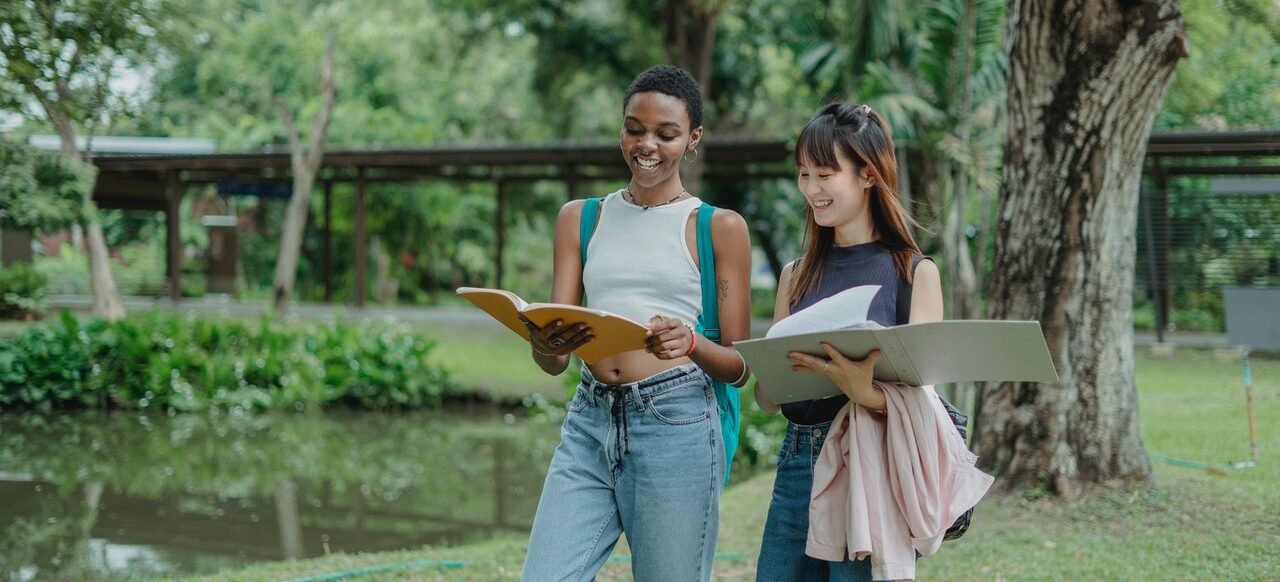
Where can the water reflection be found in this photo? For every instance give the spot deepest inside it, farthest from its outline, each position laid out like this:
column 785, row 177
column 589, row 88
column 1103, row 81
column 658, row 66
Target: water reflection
column 91, row 495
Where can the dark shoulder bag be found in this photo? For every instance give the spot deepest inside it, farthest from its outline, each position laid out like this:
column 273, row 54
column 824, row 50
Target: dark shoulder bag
column 959, row 419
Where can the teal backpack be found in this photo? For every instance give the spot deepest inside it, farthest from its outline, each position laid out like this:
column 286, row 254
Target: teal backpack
column 727, row 398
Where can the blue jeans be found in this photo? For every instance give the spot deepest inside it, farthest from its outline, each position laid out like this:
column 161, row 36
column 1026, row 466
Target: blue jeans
column 643, row 459
column 786, row 529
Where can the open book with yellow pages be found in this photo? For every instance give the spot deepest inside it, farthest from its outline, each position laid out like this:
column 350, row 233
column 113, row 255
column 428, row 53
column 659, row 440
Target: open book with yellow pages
column 614, row 334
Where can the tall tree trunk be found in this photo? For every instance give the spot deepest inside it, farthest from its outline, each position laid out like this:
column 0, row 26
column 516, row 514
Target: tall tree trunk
column 107, row 302
column 1085, row 82
column 689, row 33
column 305, row 164
column 962, row 281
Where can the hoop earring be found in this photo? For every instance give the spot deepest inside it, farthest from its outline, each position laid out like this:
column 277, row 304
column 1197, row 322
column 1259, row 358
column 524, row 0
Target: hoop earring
column 685, row 157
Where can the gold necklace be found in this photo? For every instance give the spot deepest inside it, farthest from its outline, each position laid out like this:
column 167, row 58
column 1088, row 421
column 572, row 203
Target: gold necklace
column 632, row 199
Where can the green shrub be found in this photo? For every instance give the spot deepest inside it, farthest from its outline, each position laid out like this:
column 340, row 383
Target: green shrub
column 22, row 291
column 187, row 363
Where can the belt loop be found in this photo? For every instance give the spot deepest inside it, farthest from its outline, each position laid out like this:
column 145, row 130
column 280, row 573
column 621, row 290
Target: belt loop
column 635, row 394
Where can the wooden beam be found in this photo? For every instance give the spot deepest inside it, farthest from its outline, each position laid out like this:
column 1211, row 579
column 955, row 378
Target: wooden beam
column 362, row 244
column 173, row 239
column 500, row 232
column 1222, row 170
column 326, row 236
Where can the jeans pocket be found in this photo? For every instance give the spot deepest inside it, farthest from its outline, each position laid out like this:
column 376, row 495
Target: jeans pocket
column 783, row 454
column 685, row 404
column 579, row 400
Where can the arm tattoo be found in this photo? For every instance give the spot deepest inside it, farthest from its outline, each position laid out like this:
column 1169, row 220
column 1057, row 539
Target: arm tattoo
column 722, row 289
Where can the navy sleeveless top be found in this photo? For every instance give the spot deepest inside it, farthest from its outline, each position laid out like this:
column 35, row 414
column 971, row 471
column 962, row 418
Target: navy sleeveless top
column 848, row 267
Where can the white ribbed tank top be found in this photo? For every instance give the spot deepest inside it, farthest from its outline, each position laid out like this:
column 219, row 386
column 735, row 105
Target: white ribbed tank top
column 638, row 262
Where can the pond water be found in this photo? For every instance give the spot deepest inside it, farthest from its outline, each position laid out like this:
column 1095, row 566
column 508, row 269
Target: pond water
column 102, row 496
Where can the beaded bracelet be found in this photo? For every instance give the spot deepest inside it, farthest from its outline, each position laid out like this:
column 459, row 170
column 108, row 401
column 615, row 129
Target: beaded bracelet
column 536, row 350
column 693, row 340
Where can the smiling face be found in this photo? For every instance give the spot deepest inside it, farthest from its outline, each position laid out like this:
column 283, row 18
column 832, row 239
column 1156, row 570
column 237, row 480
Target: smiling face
column 655, row 135
column 837, row 196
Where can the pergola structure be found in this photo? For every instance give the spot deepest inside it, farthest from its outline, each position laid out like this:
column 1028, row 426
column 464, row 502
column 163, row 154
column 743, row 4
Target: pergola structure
column 1231, row 153
column 158, row 182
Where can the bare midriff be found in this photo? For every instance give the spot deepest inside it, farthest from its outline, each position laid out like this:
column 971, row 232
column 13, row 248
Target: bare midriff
column 632, row 366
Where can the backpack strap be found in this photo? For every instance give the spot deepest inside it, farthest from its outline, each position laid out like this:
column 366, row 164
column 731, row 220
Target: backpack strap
column 587, row 225
column 904, row 291
column 728, row 400
column 709, row 321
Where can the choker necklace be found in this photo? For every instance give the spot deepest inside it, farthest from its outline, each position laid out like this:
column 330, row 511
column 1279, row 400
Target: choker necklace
column 632, row 199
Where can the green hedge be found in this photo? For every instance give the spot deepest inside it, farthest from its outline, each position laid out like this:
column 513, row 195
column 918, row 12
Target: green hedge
column 159, row 360
column 22, row 291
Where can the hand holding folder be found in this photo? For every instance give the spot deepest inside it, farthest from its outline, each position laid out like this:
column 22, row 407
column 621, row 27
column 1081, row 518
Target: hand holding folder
column 917, row 354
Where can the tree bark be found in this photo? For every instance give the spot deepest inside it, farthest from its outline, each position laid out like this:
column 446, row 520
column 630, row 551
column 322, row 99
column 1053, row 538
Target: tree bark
column 689, row 32
column 1085, row 81
column 961, row 278
column 305, row 164
column 107, row 302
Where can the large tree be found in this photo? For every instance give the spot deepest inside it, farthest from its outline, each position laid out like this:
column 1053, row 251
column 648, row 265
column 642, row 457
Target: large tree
column 304, row 163
column 1084, row 84
column 63, row 55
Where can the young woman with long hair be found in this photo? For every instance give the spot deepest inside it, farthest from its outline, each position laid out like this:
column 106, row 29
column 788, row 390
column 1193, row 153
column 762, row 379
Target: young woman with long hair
column 857, row 233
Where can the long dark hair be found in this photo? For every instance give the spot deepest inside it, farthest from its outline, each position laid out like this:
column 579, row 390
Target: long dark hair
column 862, row 137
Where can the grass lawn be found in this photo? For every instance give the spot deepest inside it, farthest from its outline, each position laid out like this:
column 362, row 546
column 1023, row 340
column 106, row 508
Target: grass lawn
column 9, row 327
column 492, row 361
column 1195, row 524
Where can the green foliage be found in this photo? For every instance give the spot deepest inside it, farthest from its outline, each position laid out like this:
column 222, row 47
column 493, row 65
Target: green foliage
column 64, row 55
column 1231, row 78
column 40, row 191
column 188, row 363
column 22, row 291
column 140, row 270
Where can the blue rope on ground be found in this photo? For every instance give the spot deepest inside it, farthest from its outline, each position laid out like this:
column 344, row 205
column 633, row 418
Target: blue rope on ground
column 453, row 564
column 1201, row 464
column 416, row 565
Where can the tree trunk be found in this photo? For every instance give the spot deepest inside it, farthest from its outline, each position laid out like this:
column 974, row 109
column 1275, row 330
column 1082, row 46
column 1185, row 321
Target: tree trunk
column 1085, row 82
column 305, row 164
column 107, row 302
column 961, row 279
column 690, row 37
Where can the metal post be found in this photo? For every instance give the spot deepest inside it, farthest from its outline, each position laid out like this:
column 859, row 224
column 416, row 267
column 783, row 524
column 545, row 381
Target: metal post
column 1152, row 276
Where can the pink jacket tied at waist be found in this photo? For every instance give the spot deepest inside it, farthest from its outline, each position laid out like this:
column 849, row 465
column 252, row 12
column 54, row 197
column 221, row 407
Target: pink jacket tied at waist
column 889, row 485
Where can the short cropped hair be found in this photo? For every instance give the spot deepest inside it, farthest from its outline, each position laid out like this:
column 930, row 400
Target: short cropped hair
column 672, row 81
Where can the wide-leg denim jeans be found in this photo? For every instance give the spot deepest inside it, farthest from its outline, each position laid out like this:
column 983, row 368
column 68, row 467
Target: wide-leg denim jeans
column 645, row 459
column 786, row 529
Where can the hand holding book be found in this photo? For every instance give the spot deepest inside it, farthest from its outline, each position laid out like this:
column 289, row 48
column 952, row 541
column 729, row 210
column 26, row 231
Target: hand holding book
column 601, row 334
column 557, row 338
